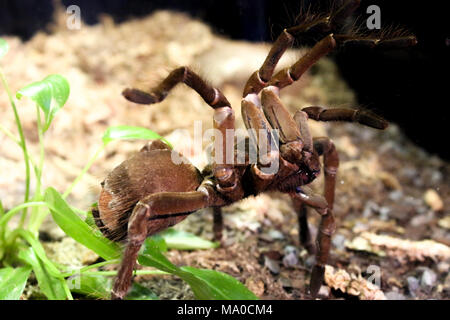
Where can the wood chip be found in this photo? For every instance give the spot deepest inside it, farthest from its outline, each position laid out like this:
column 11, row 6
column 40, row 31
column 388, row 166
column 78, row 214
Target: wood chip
column 403, row 250
column 352, row 284
column 433, row 200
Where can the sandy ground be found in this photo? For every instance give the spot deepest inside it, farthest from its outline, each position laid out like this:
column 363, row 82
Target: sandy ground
column 386, row 186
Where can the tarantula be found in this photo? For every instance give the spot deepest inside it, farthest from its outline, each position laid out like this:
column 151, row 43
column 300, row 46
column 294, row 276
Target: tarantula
column 149, row 192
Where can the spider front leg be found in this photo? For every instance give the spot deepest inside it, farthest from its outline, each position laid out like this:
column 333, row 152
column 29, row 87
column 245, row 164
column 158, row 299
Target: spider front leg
column 312, row 23
column 151, row 215
column 223, row 170
column 346, row 114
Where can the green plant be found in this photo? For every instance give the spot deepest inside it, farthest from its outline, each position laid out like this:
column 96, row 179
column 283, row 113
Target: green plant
column 21, row 252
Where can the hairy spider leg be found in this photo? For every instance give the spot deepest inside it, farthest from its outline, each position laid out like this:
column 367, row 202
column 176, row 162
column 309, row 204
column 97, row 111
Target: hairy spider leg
column 324, row 146
column 223, row 118
column 163, row 209
column 346, row 114
column 313, row 23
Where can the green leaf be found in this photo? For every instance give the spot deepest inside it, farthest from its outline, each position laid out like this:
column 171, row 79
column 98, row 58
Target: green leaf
column 223, row 286
column 76, row 228
column 52, row 287
column 181, row 240
column 99, row 287
column 159, row 242
column 206, row 284
column 139, row 292
column 95, row 286
column 53, row 88
column 13, row 280
column 129, row 132
column 4, row 47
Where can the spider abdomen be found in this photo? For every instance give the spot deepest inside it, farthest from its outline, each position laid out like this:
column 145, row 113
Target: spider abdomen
column 142, row 175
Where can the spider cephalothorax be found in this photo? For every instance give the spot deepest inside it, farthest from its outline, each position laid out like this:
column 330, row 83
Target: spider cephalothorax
column 149, row 192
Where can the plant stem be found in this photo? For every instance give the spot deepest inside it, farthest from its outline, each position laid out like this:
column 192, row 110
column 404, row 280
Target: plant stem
column 37, row 215
column 137, row 272
column 22, row 141
column 4, row 219
column 92, row 266
column 9, row 134
column 83, row 172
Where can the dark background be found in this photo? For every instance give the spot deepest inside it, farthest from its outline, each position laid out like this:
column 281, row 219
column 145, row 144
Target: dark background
column 407, row 86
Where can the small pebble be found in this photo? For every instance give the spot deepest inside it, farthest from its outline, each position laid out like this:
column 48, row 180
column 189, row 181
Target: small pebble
column 436, row 177
column 290, row 259
column 443, row 267
column 422, row 219
column 276, row 235
column 339, row 241
column 429, row 278
column 384, row 213
column 433, row 200
column 324, row 291
column 370, row 208
column 309, row 262
column 395, row 195
column 285, row 282
column 272, row 265
column 289, row 249
column 413, row 285
column 393, row 295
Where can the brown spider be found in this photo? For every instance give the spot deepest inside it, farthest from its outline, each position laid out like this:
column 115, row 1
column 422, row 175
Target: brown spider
column 149, row 192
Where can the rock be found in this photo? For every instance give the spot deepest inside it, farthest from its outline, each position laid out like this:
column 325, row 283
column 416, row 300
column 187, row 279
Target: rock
column 429, row 278
column 289, row 249
column 433, row 200
column 285, row 282
column 309, row 262
column 384, row 213
column 389, row 180
column 370, row 208
column 272, row 265
column 339, row 241
column 413, row 285
column 443, row 267
column 290, row 259
column 396, row 195
column 422, row 219
column 256, row 286
column 324, row 291
column 393, row 295
column 444, row 222
column 275, row 235
column 447, row 283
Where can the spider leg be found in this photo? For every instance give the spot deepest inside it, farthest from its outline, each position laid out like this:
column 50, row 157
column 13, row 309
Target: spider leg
column 302, row 198
column 223, row 168
column 324, row 146
column 303, row 228
column 301, row 119
column 346, row 114
column 318, row 23
column 287, row 76
column 210, row 95
column 281, row 120
column 150, row 215
column 217, row 223
column 263, row 140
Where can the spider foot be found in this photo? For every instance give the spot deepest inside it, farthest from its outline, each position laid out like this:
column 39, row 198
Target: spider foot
column 317, row 277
